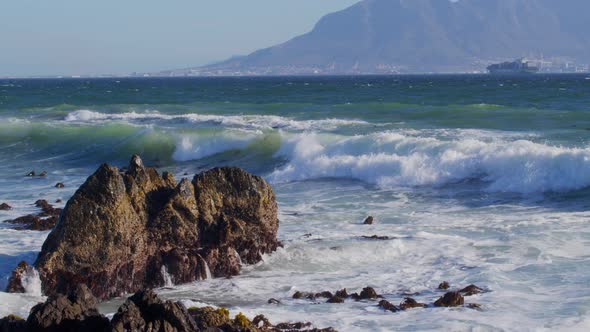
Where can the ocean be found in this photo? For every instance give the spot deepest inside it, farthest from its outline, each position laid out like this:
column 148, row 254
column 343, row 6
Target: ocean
column 475, row 180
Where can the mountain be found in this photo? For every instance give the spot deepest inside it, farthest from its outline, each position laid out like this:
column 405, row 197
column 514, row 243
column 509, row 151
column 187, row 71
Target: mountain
column 384, row 36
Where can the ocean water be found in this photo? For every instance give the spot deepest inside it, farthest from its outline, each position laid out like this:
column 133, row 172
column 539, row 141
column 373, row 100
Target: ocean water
column 475, row 179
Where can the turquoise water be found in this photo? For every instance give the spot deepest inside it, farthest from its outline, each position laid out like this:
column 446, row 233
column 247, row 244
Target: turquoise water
column 478, row 179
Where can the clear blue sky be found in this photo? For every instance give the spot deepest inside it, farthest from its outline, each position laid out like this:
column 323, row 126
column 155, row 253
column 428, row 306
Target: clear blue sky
column 69, row 37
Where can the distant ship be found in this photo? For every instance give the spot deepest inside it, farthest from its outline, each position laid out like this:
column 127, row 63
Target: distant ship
column 520, row 66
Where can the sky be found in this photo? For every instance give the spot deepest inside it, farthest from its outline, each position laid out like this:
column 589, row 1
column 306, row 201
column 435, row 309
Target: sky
column 80, row 37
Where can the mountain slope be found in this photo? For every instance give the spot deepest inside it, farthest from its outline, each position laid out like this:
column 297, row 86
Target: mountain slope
column 428, row 35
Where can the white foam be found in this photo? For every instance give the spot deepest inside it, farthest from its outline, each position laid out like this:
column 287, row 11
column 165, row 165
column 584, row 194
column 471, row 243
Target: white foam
column 166, row 276
column 391, row 159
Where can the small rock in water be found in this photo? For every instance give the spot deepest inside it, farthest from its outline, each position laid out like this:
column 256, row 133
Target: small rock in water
column 58, row 201
column 343, row 293
column 444, row 285
column 450, row 299
column 59, row 185
column 411, row 303
column 376, row 237
column 368, row 220
column 325, row 294
column 274, row 301
column 388, row 306
column 5, row 207
column 474, row 306
column 31, row 173
column 335, row 299
column 470, row 290
column 15, row 283
column 44, row 173
column 368, row 293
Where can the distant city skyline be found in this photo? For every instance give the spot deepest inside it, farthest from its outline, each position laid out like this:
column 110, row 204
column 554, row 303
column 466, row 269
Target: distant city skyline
column 67, row 37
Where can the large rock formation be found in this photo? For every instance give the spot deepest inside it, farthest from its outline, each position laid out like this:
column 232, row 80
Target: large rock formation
column 122, row 232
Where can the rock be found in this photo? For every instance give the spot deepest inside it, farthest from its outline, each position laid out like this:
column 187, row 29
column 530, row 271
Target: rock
column 343, row 293
column 12, row 323
column 444, row 285
column 410, row 303
column 76, row 312
column 470, row 290
column 208, row 317
column 376, row 237
column 34, row 223
column 273, row 301
column 368, row 221
column 31, row 173
column 450, row 299
column 145, row 311
column 59, row 185
column 58, row 201
column 261, row 322
column 368, row 293
column 5, row 207
column 388, row 306
column 44, row 173
column 118, row 231
column 474, row 306
column 16, row 280
column 304, row 295
column 336, row 299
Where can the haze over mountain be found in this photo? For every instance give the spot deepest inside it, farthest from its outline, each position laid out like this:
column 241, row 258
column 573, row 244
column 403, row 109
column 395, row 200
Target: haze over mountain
column 383, row 36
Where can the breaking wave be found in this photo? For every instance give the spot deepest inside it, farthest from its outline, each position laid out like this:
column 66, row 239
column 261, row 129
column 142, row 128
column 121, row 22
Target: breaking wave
column 392, row 159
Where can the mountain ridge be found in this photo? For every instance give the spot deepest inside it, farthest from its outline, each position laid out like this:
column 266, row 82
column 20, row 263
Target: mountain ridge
column 398, row 36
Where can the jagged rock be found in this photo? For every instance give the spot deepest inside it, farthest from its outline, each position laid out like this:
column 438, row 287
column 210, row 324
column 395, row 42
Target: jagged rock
column 410, row 303
column 59, row 185
column 31, row 173
column 12, row 323
column 450, row 299
column 16, row 281
column 76, row 312
column 444, row 285
column 470, row 290
column 368, row 220
column 5, row 207
column 118, row 231
column 145, row 311
column 388, row 306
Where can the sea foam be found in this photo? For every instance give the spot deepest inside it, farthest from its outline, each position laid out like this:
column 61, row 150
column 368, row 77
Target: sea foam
column 391, row 159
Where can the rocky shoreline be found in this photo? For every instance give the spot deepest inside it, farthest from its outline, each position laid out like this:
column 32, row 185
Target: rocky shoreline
column 130, row 230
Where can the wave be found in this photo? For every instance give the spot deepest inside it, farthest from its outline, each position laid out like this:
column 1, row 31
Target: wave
column 394, row 159
column 234, row 121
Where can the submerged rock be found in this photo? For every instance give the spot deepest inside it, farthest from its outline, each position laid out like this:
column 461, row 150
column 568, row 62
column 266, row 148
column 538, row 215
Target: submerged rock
column 450, row 299
column 43, row 221
column 5, row 207
column 336, row 299
column 59, row 185
column 470, row 290
column 368, row 293
column 368, row 220
column 118, row 231
column 75, row 312
column 444, row 285
column 410, row 303
column 145, row 311
column 376, row 237
column 388, row 306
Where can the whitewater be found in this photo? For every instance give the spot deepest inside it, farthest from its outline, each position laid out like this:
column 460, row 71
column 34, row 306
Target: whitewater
column 474, row 180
